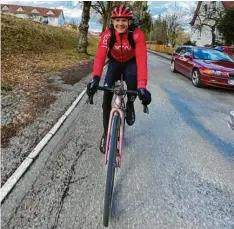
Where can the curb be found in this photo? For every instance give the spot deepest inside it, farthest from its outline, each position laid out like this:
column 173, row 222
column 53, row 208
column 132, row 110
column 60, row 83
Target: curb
column 159, row 54
column 10, row 183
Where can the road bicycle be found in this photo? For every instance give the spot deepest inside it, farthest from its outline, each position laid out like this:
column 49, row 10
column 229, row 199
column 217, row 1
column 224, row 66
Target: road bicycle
column 114, row 142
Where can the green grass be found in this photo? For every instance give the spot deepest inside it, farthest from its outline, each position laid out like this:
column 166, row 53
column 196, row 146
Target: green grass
column 30, row 53
column 23, row 36
column 30, row 47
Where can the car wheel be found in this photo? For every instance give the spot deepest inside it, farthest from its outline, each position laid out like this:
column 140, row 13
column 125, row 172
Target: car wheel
column 196, row 78
column 173, row 69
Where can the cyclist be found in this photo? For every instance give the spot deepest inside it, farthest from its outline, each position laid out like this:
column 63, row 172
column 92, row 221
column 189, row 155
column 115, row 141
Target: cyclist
column 124, row 59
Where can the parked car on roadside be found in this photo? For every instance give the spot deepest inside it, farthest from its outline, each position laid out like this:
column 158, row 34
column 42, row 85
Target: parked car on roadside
column 205, row 66
column 226, row 49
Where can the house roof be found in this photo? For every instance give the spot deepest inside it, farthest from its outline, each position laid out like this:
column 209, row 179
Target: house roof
column 28, row 9
column 226, row 4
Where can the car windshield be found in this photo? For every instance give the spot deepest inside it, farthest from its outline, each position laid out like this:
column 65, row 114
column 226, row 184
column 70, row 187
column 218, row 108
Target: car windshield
column 211, row 54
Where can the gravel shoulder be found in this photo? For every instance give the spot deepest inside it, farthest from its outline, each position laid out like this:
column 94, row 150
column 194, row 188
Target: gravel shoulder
column 29, row 127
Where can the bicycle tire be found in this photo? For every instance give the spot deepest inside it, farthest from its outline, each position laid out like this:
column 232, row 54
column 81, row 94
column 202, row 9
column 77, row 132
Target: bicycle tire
column 110, row 171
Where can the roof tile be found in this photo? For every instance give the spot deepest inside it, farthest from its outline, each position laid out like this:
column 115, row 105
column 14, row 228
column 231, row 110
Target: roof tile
column 28, row 10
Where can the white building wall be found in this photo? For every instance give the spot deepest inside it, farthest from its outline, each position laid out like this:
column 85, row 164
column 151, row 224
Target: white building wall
column 53, row 21
column 22, row 16
column 204, row 37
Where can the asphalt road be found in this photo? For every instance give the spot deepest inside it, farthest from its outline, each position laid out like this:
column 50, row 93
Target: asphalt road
column 177, row 170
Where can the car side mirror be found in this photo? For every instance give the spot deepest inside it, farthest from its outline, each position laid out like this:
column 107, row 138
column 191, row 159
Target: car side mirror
column 187, row 55
column 231, row 122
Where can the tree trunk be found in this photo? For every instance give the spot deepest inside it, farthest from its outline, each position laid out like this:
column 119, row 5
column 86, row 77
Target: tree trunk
column 83, row 28
column 104, row 25
column 173, row 40
column 167, row 40
column 213, row 36
column 108, row 22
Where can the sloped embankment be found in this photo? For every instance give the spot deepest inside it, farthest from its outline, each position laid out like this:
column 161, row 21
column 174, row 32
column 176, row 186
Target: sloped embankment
column 30, row 53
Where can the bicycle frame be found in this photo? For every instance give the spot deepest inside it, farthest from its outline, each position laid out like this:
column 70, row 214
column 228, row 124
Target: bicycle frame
column 117, row 109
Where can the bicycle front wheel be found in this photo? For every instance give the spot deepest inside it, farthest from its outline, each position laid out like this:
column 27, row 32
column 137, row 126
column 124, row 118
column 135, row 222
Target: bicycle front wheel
column 110, row 171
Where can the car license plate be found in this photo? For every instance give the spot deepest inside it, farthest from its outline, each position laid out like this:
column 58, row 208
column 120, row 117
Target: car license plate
column 231, row 82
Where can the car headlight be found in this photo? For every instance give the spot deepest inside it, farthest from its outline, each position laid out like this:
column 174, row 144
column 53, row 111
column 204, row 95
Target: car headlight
column 214, row 72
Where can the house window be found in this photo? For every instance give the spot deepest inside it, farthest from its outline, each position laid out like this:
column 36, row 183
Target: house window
column 218, row 34
column 35, row 11
column 5, row 8
column 20, row 9
column 50, row 12
column 213, row 5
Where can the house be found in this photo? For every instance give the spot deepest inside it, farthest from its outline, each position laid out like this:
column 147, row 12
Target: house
column 48, row 16
column 207, row 12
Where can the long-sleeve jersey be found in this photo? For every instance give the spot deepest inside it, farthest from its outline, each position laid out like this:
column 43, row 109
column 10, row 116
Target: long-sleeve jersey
column 123, row 52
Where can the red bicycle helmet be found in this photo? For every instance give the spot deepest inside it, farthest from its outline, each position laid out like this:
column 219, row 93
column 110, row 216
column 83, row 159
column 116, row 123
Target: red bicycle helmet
column 121, row 11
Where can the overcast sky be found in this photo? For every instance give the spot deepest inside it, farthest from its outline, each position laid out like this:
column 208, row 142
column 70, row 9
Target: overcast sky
column 72, row 9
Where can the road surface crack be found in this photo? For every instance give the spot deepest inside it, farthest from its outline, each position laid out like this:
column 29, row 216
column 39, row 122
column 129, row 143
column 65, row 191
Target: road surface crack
column 68, row 181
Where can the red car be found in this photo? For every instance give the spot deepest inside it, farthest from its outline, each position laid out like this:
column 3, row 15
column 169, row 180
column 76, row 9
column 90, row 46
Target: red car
column 204, row 66
column 226, row 49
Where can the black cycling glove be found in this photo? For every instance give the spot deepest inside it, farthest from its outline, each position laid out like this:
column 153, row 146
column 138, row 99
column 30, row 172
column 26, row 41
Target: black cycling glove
column 93, row 86
column 144, row 95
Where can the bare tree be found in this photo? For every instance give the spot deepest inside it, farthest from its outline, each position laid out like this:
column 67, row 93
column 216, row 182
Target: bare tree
column 175, row 21
column 209, row 16
column 159, row 30
column 104, row 10
column 170, row 25
column 173, row 27
column 83, row 28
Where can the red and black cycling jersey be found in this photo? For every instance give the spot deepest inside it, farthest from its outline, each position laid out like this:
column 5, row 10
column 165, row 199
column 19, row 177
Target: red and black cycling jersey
column 123, row 52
